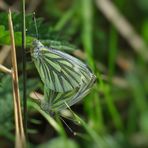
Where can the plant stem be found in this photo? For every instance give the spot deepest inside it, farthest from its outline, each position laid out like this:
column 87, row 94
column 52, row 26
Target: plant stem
column 5, row 69
column 20, row 137
column 24, row 65
column 113, row 45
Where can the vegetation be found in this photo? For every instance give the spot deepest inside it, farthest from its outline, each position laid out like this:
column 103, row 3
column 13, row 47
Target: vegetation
column 109, row 36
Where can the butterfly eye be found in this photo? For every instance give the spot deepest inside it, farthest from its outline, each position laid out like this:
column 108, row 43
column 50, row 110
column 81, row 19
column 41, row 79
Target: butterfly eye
column 35, row 43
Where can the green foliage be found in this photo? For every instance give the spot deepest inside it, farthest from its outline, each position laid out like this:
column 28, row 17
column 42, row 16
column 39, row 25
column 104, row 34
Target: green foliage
column 48, row 36
column 145, row 30
column 6, row 104
column 5, row 37
column 60, row 143
column 6, row 107
column 115, row 113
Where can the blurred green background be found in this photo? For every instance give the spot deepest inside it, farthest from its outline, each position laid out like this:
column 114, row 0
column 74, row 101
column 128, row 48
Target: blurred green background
column 115, row 113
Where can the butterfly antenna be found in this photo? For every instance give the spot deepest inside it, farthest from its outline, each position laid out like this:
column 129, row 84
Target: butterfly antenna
column 35, row 24
column 70, row 129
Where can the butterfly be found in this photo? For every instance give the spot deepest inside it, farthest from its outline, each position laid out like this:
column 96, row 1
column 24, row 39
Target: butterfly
column 66, row 79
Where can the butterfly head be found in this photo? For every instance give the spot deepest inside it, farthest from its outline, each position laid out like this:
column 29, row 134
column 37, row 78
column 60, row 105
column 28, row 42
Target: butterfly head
column 36, row 47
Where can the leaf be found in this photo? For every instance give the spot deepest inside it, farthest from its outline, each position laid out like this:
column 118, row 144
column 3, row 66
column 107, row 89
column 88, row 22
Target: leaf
column 46, row 33
column 5, row 37
column 6, row 104
column 60, row 143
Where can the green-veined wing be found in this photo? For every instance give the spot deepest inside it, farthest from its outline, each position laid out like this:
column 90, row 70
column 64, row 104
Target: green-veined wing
column 56, row 101
column 59, row 71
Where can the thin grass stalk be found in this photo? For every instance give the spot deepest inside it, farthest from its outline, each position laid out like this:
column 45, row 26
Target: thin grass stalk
column 20, row 137
column 87, row 30
column 64, row 19
column 51, row 120
column 113, row 46
column 17, row 124
column 24, row 66
column 5, row 69
column 92, row 106
column 122, row 25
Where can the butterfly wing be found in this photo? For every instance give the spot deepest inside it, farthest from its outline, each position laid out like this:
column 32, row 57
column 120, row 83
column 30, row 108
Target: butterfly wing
column 57, row 100
column 59, row 71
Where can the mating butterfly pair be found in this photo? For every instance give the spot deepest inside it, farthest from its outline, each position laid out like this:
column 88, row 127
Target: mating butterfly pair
column 66, row 79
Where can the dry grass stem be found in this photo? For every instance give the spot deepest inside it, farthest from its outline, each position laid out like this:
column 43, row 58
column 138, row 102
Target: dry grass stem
column 123, row 26
column 4, row 53
column 20, row 137
column 5, row 69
